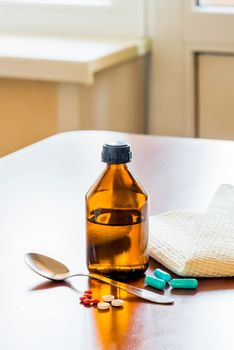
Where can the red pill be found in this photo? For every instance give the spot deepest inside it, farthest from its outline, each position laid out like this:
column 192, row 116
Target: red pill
column 86, row 301
column 88, row 292
column 95, row 301
column 82, row 298
column 88, row 296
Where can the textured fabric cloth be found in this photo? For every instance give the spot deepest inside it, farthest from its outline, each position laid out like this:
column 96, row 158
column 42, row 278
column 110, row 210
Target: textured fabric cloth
column 197, row 244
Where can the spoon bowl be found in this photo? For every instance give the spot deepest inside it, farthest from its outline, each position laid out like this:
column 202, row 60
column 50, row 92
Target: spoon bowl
column 56, row 271
column 47, row 267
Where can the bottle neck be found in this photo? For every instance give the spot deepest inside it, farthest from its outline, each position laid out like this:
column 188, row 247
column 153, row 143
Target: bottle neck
column 118, row 167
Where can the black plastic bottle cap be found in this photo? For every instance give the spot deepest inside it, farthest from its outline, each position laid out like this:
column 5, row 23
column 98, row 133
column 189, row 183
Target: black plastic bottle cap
column 117, row 152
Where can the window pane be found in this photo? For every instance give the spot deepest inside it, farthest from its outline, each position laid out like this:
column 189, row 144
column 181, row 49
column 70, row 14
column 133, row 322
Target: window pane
column 216, row 2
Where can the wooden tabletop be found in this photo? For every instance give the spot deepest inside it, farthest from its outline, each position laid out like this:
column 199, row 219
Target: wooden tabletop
column 42, row 189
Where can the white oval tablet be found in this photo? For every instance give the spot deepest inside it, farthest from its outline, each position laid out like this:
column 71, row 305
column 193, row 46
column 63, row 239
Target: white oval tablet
column 103, row 305
column 117, row 302
column 108, row 298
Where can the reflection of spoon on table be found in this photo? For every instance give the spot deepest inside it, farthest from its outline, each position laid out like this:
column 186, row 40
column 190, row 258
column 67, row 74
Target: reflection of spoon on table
column 56, row 271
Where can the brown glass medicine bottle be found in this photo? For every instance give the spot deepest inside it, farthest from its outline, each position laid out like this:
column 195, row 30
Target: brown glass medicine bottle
column 117, row 218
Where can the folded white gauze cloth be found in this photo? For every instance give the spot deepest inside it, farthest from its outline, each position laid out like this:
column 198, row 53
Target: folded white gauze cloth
column 193, row 244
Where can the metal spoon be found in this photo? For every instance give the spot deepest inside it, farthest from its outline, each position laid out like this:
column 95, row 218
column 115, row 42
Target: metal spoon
column 56, row 271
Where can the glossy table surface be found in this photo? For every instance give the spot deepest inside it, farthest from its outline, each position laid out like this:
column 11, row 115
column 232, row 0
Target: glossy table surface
column 42, row 189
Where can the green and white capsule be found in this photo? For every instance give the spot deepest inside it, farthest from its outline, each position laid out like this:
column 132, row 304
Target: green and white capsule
column 185, row 283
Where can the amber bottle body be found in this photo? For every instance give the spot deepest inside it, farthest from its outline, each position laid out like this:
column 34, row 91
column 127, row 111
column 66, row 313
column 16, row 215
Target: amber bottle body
column 117, row 224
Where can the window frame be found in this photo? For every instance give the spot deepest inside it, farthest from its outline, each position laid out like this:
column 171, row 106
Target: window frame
column 186, row 31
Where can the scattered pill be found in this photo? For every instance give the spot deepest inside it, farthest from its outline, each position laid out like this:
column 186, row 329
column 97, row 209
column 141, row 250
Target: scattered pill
column 103, row 305
column 185, row 283
column 163, row 275
column 82, row 298
column 87, row 299
column 155, row 282
column 88, row 296
column 88, row 292
column 108, row 298
column 117, row 302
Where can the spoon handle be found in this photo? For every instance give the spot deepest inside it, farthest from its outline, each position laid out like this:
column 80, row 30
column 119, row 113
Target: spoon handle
column 142, row 293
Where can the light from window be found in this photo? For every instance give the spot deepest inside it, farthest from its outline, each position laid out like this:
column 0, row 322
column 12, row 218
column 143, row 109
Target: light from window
column 108, row 18
column 63, row 2
column 216, row 2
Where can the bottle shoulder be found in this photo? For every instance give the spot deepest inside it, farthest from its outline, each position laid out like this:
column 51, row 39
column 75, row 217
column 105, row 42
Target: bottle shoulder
column 116, row 181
